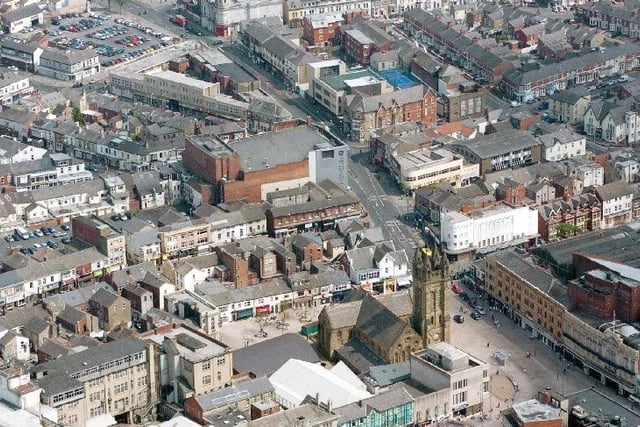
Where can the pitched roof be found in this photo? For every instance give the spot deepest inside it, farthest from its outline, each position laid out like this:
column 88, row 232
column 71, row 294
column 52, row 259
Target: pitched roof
column 387, row 100
column 379, row 324
column 614, row 190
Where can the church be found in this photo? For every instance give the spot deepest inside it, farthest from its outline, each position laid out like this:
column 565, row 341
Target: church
column 367, row 330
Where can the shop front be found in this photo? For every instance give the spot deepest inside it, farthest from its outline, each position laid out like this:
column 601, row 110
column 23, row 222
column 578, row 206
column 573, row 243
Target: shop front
column 243, row 314
column 263, row 310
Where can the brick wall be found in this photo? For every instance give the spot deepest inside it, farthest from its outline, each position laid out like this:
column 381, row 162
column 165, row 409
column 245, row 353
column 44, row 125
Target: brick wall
column 205, row 166
column 249, row 188
column 237, row 267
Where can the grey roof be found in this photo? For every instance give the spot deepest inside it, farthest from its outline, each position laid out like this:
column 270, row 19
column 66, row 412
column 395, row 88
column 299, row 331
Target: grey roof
column 280, row 349
column 36, row 325
column 358, row 356
column 60, row 370
column 387, row 100
column 378, row 323
column 20, row 13
column 239, row 391
column 312, row 415
column 258, row 31
column 570, row 96
column 68, row 57
column 104, row 297
column 380, row 403
column 614, row 190
column 603, row 407
column 498, row 143
column 71, row 315
column 533, row 274
column 343, row 315
column 385, row 375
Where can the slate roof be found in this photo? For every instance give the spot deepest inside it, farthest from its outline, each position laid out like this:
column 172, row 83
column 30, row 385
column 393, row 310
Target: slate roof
column 498, row 143
column 613, row 190
column 378, row 323
column 387, row 100
column 379, row 403
column 20, row 13
column 280, row 349
column 343, row 315
column 104, row 297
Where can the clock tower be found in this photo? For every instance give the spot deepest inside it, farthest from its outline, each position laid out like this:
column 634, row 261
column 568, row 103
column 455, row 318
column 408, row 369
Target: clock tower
column 431, row 284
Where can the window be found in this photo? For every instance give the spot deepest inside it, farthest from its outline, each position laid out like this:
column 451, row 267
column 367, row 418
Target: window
column 220, row 360
column 206, row 380
column 206, row 365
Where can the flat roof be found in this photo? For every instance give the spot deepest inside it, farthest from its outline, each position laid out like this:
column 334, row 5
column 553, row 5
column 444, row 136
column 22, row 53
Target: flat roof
column 534, row 411
column 181, row 78
column 191, row 345
column 337, row 82
column 505, row 141
column 419, row 159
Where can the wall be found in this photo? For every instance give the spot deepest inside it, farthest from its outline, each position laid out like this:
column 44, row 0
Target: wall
column 249, row 188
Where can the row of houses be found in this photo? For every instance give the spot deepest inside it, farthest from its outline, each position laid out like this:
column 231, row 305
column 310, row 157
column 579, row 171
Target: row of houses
column 73, row 65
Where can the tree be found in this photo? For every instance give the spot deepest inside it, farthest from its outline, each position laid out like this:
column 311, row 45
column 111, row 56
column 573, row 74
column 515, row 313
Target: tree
column 77, row 116
column 120, row 3
column 565, row 229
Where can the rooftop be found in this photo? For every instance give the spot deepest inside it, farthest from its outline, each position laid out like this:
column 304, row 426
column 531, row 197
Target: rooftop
column 498, row 143
column 535, row 411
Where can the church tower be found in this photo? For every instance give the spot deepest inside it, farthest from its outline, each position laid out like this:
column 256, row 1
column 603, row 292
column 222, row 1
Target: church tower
column 431, row 283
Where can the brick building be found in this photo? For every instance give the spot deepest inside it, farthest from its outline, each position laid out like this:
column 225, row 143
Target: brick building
column 583, row 211
column 250, row 168
column 364, row 114
column 501, row 150
column 361, row 38
column 320, row 30
column 111, row 309
column 102, row 236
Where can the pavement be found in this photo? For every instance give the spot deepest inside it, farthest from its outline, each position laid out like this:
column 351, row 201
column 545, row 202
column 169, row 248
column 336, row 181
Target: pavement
column 521, row 376
column 246, row 332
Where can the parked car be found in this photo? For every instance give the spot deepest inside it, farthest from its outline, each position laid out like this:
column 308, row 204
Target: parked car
column 9, row 238
column 45, row 231
column 66, row 240
column 39, row 233
column 480, row 311
column 475, row 315
column 52, row 244
column 458, row 318
column 65, row 227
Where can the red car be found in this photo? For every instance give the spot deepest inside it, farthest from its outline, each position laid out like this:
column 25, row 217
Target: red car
column 456, row 289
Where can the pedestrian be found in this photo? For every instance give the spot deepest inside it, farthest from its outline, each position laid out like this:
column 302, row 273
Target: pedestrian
column 487, row 345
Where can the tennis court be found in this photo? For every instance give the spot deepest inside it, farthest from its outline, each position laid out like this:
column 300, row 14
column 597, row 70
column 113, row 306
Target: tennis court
column 398, row 79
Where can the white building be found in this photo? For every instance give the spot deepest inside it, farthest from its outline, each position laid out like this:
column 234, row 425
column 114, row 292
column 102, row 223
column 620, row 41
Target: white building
column 616, row 198
column 591, row 175
column 627, row 170
column 17, row 389
column 562, row 144
column 496, row 226
column 14, row 86
column 222, row 17
column 12, row 151
column 297, row 379
column 73, row 65
column 424, row 167
column 57, row 170
column 443, row 366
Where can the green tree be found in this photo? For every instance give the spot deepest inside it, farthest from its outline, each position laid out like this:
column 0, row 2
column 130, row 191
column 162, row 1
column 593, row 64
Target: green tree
column 565, row 229
column 77, row 116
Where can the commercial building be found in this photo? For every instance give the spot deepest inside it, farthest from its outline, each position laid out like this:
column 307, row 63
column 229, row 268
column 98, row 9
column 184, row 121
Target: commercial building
column 364, row 114
column 331, row 89
column 185, row 238
column 420, row 168
column 320, row 30
column 116, row 381
column 13, row 86
column 192, row 359
column 500, row 150
column 295, row 10
column 488, row 228
column 616, row 198
column 442, row 365
column 223, row 18
column 533, row 298
column 70, row 65
column 314, row 206
column 102, row 236
column 253, row 167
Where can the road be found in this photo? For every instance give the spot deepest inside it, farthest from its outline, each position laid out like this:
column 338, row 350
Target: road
column 379, row 195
